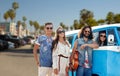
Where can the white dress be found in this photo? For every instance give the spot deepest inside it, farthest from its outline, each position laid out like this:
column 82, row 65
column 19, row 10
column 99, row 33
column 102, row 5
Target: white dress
column 65, row 51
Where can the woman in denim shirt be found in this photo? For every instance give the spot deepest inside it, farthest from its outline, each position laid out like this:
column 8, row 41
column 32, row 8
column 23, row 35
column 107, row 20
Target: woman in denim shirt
column 84, row 44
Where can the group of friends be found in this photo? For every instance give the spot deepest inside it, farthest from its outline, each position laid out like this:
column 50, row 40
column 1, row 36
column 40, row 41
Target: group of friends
column 54, row 54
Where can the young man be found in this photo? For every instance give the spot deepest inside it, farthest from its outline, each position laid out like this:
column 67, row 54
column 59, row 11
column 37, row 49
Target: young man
column 44, row 62
column 84, row 44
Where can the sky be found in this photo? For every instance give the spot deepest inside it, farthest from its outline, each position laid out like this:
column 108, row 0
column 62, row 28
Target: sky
column 57, row 11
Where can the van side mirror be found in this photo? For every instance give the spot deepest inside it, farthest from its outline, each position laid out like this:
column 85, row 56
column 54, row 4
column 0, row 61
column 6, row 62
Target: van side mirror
column 111, row 39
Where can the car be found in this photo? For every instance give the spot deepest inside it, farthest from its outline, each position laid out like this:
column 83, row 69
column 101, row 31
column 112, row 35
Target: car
column 3, row 44
column 29, row 39
column 11, row 45
column 7, row 37
column 22, row 41
column 105, row 58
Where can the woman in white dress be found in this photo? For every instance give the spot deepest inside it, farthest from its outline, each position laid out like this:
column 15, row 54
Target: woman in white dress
column 61, row 53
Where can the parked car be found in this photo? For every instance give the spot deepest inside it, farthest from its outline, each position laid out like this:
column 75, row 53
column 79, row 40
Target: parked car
column 22, row 41
column 29, row 39
column 7, row 37
column 11, row 45
column 3, row 44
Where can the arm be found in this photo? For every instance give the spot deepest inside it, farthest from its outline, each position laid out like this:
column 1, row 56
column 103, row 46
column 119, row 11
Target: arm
column 75, row 46
column 35, row 49
column 93, row 45
column 55, row 61
column 73, row 51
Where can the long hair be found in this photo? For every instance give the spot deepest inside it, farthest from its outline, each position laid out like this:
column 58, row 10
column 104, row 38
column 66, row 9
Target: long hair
column 55, row 41
column 99, row 41
column 81, row 33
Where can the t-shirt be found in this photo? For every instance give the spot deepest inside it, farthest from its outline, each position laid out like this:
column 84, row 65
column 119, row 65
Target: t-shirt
column 45, row 51
column 86, row 63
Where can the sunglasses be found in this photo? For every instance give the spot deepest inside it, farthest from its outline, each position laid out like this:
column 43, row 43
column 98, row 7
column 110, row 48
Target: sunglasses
column 103, row 36
column 62, row 31
column 49, row 28
column 87, row 31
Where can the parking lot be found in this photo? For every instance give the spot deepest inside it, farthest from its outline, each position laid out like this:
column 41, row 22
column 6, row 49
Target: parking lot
column 18, row 62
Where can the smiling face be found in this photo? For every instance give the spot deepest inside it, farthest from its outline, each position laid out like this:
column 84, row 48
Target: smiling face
column 61, row 32
column 102, row 37
column 86, row 32
column 49, row 29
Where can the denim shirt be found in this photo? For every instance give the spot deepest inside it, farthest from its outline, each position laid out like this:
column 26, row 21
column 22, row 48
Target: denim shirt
column 45, row 51
column 80, row 42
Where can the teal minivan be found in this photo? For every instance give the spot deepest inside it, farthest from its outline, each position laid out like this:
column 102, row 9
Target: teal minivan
column 106, row 59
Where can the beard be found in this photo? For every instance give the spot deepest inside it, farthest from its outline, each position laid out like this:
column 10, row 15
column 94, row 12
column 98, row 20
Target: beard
column 86, row 36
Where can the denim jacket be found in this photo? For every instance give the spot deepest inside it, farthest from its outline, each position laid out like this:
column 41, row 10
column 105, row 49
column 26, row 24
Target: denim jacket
column 80, row 42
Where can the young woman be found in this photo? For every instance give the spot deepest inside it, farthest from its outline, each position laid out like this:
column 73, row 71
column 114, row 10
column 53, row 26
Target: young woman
column 102, row 40
column 61, row 49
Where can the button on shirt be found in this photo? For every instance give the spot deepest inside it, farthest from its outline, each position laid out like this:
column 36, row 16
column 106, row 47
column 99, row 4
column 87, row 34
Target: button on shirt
column 45, row 51
column 83, row 56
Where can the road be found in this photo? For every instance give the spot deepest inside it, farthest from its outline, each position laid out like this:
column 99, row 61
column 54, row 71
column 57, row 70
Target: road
column 18, row 62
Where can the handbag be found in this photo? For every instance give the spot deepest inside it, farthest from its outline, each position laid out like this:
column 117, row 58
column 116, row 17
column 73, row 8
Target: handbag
column 74, row 62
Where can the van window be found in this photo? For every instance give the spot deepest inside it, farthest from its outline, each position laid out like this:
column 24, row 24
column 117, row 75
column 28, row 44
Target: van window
column 100, row 38
column 112, row 32
column 118, row 29
column 76, row 37
column 95, row 36
column 70, row 39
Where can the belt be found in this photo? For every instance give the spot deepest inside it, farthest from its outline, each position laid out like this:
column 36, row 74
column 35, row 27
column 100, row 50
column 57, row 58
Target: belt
column 60, row 55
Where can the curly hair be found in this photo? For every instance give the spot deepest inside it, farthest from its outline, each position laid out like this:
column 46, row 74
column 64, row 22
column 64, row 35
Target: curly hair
column 81, row 33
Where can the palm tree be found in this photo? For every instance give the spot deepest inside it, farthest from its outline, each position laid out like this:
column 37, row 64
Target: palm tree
column 62, row 25
column 31, row 23
column 42, row 29
column 11, row 14
column 15, row 6
column 66, row 28
column 19, row 23
column 36, row 26
column 6, row 16
column 24, row 25
column 24, row 20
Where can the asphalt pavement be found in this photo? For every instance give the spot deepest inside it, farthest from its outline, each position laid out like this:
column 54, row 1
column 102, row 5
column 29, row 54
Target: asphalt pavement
column 18, row 62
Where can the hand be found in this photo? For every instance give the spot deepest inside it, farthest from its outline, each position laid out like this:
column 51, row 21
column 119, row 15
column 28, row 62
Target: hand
column 56, row 71
column 66, row 70
column 83, row 46
column 38, row 63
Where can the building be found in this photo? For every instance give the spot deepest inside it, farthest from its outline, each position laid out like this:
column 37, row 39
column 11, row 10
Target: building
column 8, row 28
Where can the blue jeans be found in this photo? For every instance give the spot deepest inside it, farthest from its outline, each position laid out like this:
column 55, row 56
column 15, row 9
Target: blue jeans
column 81, row 71
column 72, row 73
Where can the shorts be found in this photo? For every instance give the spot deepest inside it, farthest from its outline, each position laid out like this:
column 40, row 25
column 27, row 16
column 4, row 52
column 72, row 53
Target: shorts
column 44, row 71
